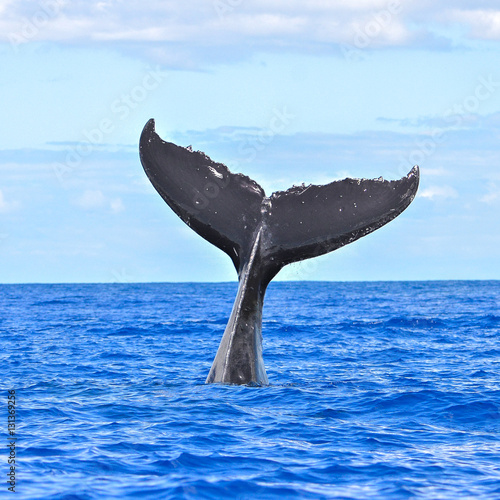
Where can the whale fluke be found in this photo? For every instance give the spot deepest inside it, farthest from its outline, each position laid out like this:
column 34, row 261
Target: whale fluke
column 261, row 234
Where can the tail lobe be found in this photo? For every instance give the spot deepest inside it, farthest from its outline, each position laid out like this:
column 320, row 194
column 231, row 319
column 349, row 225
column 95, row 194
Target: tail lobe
column 262, row 234
column 229, row 210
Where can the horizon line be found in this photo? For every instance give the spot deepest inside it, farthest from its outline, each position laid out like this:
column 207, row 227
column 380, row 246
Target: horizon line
column 456, row 280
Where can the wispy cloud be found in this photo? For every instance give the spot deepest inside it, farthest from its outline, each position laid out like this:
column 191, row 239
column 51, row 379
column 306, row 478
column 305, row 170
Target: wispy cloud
column 483, row 24
column 7, row 205
column 187, row 33
column 96, row 200
column 493, row 194
column 91, row 200
column 438, row 192
column 116, row 205
column 74, row 229
column 466, row 120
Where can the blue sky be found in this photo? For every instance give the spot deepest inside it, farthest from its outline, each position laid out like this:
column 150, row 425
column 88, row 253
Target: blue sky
column 363, row 88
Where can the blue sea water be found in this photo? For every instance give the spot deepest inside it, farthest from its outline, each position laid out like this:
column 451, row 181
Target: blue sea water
column 377, row 390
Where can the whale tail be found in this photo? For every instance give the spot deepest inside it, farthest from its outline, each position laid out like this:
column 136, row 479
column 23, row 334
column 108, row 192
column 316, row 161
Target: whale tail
column 260, row 233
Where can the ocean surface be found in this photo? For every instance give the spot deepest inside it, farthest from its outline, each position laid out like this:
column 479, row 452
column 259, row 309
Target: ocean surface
column 386, row 390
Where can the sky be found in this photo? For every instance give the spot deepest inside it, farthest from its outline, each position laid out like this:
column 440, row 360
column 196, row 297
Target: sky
column 287, row 92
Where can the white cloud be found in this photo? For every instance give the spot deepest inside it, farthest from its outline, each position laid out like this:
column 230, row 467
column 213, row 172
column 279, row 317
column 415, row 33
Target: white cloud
column 170, row 31
column 492, row 196
column 3, row 5
column 91, row 200
column 95, row 200
column 441, row 192
column 435, row 172
column 117, row 205
column 7, row 206
column 482, row 23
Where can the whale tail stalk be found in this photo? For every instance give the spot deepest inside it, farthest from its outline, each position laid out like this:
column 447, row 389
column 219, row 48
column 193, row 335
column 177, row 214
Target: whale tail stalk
column 261, row 234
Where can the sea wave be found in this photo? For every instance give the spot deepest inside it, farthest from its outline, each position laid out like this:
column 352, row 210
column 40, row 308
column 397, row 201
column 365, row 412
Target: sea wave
column 377, row 390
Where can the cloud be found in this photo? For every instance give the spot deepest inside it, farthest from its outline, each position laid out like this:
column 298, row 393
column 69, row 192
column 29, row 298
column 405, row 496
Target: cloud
column 189, row 33
column 117, row 205
column 95, row 200
column 483, row 24
column 437, row 172
column 458, row 154
column 492, row 196
column 91, row 200
column 7, row 206
column 464, row 120
column 441, row 192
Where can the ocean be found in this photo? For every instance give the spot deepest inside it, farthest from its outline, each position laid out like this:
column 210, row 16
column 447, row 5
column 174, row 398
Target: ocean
column 379, row 390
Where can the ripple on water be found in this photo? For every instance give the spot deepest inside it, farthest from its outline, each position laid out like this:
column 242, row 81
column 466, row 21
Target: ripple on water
column 378, row 390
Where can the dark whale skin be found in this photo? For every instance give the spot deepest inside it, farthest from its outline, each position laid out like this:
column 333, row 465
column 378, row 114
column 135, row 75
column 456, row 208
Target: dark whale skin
column 261, row 234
